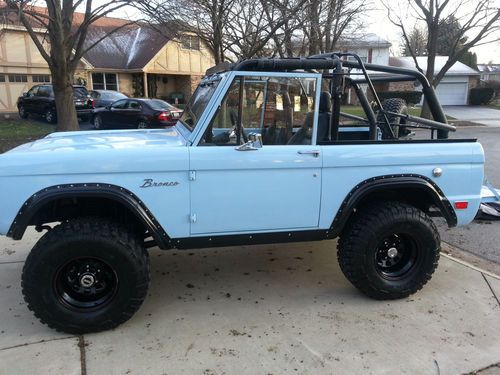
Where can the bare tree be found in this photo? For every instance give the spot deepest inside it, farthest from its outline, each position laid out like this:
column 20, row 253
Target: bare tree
column 66, row 33
column 255, row 24
column 478, row 20
column 326, row 21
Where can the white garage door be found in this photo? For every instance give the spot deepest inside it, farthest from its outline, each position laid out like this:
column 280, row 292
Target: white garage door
column 452, row 93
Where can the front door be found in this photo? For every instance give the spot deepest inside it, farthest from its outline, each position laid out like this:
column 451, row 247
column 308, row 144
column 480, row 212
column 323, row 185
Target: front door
column 273, row 188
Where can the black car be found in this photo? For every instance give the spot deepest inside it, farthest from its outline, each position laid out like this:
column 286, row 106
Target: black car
column 136, row 114
column 103, row 98
column 39, row 100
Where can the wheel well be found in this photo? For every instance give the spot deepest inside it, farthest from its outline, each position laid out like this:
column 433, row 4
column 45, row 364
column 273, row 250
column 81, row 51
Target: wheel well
column 417, row 197
column 418, row 193
column 67, row 208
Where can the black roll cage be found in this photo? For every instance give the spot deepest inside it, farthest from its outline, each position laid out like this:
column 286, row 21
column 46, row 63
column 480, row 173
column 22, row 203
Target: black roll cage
column 333, row 65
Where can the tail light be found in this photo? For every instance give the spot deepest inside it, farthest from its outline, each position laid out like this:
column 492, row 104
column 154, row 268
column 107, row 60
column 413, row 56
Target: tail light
column 462, row 205
column 164, row 116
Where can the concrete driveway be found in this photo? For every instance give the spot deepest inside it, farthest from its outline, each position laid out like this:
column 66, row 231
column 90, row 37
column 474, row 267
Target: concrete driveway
column 273, row 309
column 479, row 114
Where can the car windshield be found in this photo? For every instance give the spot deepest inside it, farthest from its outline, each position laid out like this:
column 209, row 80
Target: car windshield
column 196, row 106
column 160, row 105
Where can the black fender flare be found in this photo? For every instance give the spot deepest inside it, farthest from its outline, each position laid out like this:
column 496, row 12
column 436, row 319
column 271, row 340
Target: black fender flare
column 391, row 182
column 98, row 190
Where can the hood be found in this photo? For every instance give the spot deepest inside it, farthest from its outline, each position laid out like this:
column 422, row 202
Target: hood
column 112, row 139
column 97, row 152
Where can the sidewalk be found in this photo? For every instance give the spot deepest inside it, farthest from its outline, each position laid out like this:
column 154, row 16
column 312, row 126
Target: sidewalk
column 273, row 309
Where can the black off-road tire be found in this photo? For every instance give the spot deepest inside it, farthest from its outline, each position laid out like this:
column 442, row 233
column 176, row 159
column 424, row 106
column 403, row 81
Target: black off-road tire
column 114, row 253
column 371, row 235
column 394, row 105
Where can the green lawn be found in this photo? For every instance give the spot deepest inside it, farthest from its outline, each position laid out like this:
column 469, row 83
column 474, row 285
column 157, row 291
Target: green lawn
column 17, row 128
column 15, row 132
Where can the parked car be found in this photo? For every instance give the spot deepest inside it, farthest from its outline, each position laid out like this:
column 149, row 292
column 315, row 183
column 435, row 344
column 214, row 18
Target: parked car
column 136, row 114
column 103, row 98
column 39, row 100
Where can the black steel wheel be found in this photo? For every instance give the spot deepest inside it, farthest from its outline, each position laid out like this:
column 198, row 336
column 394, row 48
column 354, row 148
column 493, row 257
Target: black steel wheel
column 396, row 255
column 389, row 250
column 85, row 283
column 86, row 275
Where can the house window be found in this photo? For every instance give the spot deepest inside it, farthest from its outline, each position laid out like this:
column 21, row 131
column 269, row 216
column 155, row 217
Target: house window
column 41, row 78
column 104, row 81
column 2, row 77
column 18, row 78
column 190, row 42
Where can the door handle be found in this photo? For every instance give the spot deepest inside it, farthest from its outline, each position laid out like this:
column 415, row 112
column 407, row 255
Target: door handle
column 314, row 153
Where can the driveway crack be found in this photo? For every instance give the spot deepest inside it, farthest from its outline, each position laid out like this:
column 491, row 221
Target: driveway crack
column 36, row 342
column 83, row 360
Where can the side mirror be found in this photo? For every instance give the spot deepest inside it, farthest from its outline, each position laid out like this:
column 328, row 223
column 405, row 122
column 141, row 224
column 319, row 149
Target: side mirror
column 25, row 94
column 253, row 144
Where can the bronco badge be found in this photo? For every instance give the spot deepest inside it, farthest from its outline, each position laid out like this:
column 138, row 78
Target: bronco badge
column 149, row 182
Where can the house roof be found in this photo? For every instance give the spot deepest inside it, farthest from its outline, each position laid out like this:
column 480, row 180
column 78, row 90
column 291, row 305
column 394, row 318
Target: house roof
column 489, row 68
column 458, row 69
column 132, row 46
column 369, row 40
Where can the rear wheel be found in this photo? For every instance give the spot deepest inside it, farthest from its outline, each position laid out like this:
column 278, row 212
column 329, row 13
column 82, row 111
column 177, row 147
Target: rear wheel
column 22, row 112
column 50, row 115
column 86, row 275
column 389, row 250
column 142, row 124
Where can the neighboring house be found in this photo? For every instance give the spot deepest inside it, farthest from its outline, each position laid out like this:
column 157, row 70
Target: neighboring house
column 135, row 60
column 489, row 72
column 454, row 87
column 370, row 47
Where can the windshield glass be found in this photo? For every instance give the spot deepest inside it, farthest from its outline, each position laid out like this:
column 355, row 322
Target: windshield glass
column 198, row 102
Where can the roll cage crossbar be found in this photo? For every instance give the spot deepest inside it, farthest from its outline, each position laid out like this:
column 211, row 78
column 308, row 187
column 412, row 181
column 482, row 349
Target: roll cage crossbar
column 339, row 70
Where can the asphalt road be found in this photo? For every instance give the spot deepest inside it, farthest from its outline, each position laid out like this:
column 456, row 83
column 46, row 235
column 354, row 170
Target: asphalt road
column 481, row 238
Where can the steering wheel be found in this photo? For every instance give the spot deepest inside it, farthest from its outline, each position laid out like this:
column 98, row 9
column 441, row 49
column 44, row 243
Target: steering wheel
column 233, row 116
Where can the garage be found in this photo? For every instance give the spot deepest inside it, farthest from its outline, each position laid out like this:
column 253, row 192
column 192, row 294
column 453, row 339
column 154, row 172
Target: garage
column 454, row 87
column 453, row 93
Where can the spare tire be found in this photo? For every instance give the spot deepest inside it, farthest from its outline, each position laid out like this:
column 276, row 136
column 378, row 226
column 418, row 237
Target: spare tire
column 394, row 105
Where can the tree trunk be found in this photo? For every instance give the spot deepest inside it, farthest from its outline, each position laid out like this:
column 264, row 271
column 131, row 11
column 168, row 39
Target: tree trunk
column 65, row 105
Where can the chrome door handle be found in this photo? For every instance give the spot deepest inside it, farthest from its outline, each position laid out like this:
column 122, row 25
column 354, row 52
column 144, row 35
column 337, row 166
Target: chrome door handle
column 314, row 153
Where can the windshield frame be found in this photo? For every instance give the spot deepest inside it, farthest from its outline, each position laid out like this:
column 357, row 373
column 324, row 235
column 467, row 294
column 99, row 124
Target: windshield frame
column 220, row 81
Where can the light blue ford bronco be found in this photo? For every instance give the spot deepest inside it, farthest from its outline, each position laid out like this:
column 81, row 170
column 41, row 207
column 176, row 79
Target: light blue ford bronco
column 262, row 154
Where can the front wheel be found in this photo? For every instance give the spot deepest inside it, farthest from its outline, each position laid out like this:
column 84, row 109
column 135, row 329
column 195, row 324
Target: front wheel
column 86, row 275
column 389, row 250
